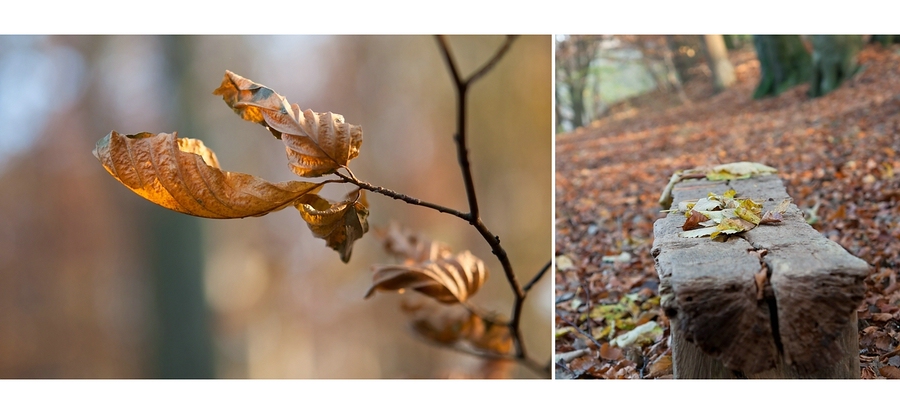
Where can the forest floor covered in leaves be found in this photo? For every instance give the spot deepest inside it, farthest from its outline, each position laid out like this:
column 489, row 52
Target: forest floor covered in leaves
column 836, row 154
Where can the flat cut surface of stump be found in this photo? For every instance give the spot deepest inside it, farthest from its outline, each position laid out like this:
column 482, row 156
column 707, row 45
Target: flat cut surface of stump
column 777, row 296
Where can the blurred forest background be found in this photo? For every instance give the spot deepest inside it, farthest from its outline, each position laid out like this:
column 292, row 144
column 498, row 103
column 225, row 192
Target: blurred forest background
column 822, row 109
column 96, row 282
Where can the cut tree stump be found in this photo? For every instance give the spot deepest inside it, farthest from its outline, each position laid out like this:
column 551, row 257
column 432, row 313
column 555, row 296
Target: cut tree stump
column 802, row 324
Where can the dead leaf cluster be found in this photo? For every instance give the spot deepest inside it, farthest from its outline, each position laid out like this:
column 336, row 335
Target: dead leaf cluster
column 183, row 175
column 431, row 269
column 717, row 216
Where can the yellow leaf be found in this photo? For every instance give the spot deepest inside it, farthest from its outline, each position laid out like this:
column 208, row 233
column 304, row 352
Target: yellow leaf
column 738, row 170
column 732, row 226
column 181, row 174
column 447, row 279
column 747, row 214
column 339, row 224
column 316, row 143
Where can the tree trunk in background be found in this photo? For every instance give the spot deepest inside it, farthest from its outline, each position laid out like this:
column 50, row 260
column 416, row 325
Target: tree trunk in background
column 184, row 344
column 784, row 63
column 574, row 56
column 733, row 42
column 557, row 109
column 668, row 53
column 885, row 40
column 833, row 61
column 719, row 65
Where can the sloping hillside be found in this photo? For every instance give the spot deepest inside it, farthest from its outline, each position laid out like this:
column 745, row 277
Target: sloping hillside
column 837, row 155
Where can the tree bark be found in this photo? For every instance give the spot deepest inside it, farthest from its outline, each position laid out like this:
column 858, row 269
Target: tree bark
column 833, row 61
column 574, row 57
column 668, row 52
column 778, row 301
column 719, row 65
column 784, row 63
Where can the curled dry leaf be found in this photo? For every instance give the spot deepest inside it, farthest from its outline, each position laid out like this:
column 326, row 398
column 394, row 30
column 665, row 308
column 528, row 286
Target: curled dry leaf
column 181, row 174
column 448, row 279
column 457, row 326
column 316, row 143
column 340, row 224
column 721, row 172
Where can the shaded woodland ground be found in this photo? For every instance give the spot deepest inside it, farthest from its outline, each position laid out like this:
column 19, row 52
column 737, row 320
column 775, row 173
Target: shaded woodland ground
column 837, row 155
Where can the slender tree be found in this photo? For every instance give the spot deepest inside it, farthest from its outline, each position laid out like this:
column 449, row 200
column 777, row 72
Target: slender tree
column 719, row 65
column 574, row 57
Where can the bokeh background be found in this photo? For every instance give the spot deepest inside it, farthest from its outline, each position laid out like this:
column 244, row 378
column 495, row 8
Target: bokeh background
column 96, row 282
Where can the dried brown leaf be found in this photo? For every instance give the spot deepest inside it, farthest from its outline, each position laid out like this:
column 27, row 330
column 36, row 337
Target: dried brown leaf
column 610, row 352
column 457, row 325
column 316, row 143
column 445, row 325
column 447, row 279
column 888, row 371
column 340, row 224
column 882, row 317
column 412, row 247
column 660, row 367
column 181, row 174
column 693, row 222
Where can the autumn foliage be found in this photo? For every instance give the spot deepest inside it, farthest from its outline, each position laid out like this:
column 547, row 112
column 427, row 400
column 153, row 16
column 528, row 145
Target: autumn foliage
column 837, row 155
column 183, row 175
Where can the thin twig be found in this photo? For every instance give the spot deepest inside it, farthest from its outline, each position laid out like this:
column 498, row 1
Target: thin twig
column 564, row 367
column 537, row 277
column 587, row 299
column 462, row 151
column 531, row 364
column 582, row 332
column 473, row 216
column 465, row 167
column 402, row 197
column 490, row 64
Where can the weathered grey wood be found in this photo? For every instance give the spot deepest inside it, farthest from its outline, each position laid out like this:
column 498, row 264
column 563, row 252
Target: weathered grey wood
column 803, row 322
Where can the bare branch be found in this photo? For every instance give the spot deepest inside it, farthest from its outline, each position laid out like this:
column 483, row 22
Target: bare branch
column 466, row 169
column 490, row 64
column 580, row 331
column 402, row 197
column 537, row 277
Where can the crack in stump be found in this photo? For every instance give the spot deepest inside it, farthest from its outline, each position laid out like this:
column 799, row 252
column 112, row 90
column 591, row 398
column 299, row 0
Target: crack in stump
column 765, row 292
